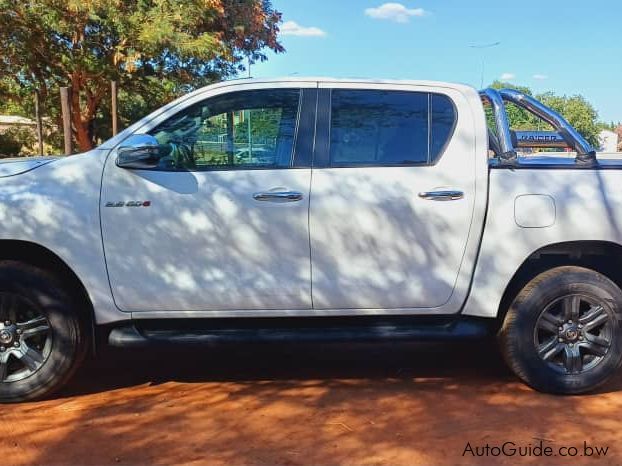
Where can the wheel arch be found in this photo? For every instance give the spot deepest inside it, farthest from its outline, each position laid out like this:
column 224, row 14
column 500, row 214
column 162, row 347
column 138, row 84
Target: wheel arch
column 39, row 256
column 601, row 256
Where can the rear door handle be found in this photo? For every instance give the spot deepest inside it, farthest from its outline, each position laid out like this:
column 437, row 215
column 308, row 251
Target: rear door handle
column 442, row 195
column 278, row 196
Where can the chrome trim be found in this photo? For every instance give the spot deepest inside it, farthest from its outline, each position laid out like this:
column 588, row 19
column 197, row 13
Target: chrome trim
column 278, row 196
column 585, row 152
column 448, row 195
column 139, row 151
column 501, row 122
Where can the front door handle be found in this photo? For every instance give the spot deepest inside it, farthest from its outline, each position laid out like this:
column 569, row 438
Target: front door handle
column 442, row 195
column 278, row 196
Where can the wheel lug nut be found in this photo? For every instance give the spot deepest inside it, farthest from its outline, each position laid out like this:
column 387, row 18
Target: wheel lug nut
column 19, row 331
column 16, row 343
column 560, row 340
column 569, row 321
column 571, row 345
column 7, row 323
column 580, row 326
column 561, row 328
column 2, row 349
column 581, row 337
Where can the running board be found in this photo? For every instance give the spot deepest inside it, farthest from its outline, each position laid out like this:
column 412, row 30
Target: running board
column 131, row 336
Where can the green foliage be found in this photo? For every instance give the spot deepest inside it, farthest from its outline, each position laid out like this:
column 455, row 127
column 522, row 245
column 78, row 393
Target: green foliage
column 14, row 141
column 576, row 109
column 611, row 126
column 155, row 49
column 520, row 118
column 9, row 146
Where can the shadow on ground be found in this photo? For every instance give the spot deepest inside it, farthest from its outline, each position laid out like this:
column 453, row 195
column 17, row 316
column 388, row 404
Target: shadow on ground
column 230, row 363
column 305, row 404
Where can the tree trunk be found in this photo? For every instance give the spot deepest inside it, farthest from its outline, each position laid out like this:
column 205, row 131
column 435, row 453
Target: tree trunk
column 83, row 134
column 81, row 121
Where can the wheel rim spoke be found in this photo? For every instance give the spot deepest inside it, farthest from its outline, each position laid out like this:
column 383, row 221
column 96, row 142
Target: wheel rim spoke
column 550, row 349
column 590, row 315
column 34, row 327
column 549, row 322
column 596, row 345
column 570, row 307
column 573, row 360
column 31, row 358
column 596, row 322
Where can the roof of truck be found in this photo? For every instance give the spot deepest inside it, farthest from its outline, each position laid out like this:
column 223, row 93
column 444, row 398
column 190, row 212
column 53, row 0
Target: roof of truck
column 325, row 79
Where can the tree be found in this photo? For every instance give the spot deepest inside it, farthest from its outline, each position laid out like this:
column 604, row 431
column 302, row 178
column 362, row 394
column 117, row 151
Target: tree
column 576, row 109
column 156, row 49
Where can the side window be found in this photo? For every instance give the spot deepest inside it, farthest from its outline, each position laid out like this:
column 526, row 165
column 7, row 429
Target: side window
column 442, row 124
column 388, row 128
column 241, row 130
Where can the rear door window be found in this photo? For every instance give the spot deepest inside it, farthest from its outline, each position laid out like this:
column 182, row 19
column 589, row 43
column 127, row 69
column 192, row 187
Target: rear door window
column 388, row 128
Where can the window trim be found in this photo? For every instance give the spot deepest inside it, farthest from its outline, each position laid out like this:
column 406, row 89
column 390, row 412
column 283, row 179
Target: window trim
column 322, row 154
column 304, row 144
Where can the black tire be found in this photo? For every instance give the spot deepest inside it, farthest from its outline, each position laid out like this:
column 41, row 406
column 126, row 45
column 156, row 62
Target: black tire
column 29, row 291
column 588, row 356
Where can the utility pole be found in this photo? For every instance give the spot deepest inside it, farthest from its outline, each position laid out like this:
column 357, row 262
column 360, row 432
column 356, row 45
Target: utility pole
column 65, row 106
column 39, row 123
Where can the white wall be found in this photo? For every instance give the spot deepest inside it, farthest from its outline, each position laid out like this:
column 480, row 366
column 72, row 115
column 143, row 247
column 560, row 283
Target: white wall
column 608, row 141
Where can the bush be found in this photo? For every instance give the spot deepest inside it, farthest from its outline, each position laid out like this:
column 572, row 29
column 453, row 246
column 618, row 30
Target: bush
column 14, row 141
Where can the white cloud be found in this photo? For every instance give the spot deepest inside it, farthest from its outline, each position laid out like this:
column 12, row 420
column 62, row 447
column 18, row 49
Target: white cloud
column 394, row 12
column 292, row 28
column 507, row 76
column 540, row 76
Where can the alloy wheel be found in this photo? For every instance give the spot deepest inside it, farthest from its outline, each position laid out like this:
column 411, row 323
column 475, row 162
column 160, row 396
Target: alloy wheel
column 574, row 333
column 25, row 338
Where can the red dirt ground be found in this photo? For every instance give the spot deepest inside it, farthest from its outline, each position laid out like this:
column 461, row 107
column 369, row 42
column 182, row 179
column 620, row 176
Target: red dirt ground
column 305, row 404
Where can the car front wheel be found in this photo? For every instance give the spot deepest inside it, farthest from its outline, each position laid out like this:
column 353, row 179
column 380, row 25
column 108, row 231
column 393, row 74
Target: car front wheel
column 42, row 341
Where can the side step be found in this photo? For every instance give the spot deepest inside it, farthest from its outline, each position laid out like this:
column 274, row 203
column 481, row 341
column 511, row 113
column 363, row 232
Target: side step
column 133, row 337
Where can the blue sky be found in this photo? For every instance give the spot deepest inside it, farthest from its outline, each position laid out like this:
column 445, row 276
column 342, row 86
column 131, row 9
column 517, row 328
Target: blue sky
column 569, row 47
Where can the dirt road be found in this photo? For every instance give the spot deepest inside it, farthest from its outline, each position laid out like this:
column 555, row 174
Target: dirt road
column 326, row 404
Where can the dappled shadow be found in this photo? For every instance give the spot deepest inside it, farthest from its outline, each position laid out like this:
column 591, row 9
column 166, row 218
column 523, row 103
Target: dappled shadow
column 585, row 205
column 205, row 244
column 303, row 404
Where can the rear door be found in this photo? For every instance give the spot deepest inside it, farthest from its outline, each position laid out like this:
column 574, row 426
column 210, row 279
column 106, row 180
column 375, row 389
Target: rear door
column 392, row 198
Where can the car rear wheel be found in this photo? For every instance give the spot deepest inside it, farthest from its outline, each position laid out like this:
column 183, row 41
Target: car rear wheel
column 563, row 334
column 42, row 340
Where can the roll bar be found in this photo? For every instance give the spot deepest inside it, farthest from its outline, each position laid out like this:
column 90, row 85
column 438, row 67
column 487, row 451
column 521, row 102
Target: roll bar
column 563, row 130
column 501, row 122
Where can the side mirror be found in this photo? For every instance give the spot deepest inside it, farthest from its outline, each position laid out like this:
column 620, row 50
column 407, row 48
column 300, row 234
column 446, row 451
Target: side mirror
column 140, row 151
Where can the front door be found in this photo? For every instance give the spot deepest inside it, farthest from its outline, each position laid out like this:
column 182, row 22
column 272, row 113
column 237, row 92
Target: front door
column 392, row 199
column 222, row 223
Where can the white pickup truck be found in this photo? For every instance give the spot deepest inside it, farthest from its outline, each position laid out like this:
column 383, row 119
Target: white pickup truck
column 316, row 209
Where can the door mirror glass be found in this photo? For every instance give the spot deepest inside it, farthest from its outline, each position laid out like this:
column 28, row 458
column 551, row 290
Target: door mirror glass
column 140, row 151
